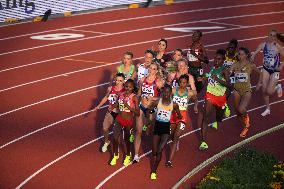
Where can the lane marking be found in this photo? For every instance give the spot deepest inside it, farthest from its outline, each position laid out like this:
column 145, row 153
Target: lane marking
column 119, row 170
column 88, row 61
column 190, row 29
column 149, row 16
column 124, row 32
column 224, row 152
column 132, row 44
column 225, row 24
column 87, row 31
column 96, row 67
column 66, row 94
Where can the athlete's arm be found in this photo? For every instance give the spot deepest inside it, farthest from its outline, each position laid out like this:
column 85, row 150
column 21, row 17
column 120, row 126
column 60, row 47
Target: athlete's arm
column 192, row 85
column 258, row 49
column 176, row 109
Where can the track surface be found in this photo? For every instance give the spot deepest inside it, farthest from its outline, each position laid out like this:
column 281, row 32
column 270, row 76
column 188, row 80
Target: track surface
column 45, row 86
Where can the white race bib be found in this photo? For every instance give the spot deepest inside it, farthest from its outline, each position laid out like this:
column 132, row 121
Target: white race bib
column 163, row 115
column 241, row 77
column 148, row 90
column 233, row 79
column 112, row 98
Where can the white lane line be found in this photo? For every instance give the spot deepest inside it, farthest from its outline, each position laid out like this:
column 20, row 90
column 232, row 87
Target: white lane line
column 77, row 91
column 53, row 98
column 119, row 170
column 226, row 24
column 86, row 31
column 131, row 31
column 96, row 67
column 224, row 152
column 123, row 167
column 149, row 16
column 48, row 126
column 132, row 44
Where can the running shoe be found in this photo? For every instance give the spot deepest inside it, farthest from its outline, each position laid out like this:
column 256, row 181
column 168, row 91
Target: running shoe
column 144, row 128
column 266, row 112
column 244, row 132
column 136, row 159
column 131, row 138
column 153, row 176
column 168, row 164
column 215, row 125
column 279, row 90
column 114, row 159
column 227, row 112
column 104, row 147
column 203, row 146
column 127, row 160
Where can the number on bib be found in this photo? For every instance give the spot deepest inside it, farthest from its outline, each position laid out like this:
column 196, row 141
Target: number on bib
column 233, row 79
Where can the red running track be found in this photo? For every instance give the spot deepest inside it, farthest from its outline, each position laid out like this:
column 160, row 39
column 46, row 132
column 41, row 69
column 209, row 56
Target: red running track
column 45, row 86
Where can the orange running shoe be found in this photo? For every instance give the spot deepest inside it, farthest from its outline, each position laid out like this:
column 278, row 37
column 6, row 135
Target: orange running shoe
column 246, row 121
column 244, row 132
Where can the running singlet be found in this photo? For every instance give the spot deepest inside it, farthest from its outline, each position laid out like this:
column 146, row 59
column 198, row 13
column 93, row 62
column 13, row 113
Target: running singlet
column 128, row 74
column 142, row 71
column 192, row 59
column 129, row 101
column 214, row 87
column 229, row 61
column 182, row 101
column 271, row 59
column 242, row 78
column 149, row 89
column 114, row 94
column 164, row 112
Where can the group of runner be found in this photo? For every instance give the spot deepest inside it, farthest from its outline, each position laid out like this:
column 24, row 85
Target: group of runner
column 154, row 95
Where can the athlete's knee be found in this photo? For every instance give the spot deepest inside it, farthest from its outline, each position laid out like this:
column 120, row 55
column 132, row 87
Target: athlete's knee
column 242, row 110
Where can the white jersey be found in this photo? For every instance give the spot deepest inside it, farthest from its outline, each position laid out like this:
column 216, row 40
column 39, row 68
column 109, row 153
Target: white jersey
column 142, row 72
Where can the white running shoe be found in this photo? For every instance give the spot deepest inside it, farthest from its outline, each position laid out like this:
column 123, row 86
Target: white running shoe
column 104, row 147
column 266, row 112
column 136, row 159
column 279, row 90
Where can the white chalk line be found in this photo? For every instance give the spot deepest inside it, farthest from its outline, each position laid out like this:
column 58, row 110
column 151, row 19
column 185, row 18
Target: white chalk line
column 145, row 17
column 132, row 44
column 100, row 66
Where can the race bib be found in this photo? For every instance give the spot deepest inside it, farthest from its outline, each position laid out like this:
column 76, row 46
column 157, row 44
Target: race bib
column 147, row 90
column 112, row 98
column 233, row 80
column 200, row 71
column 182, row 126
column 212, row 82
column 228, row 64
column 182, row 102
column 241, row 77
column 121, row 106
column 191, row 57
column 163, row 115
